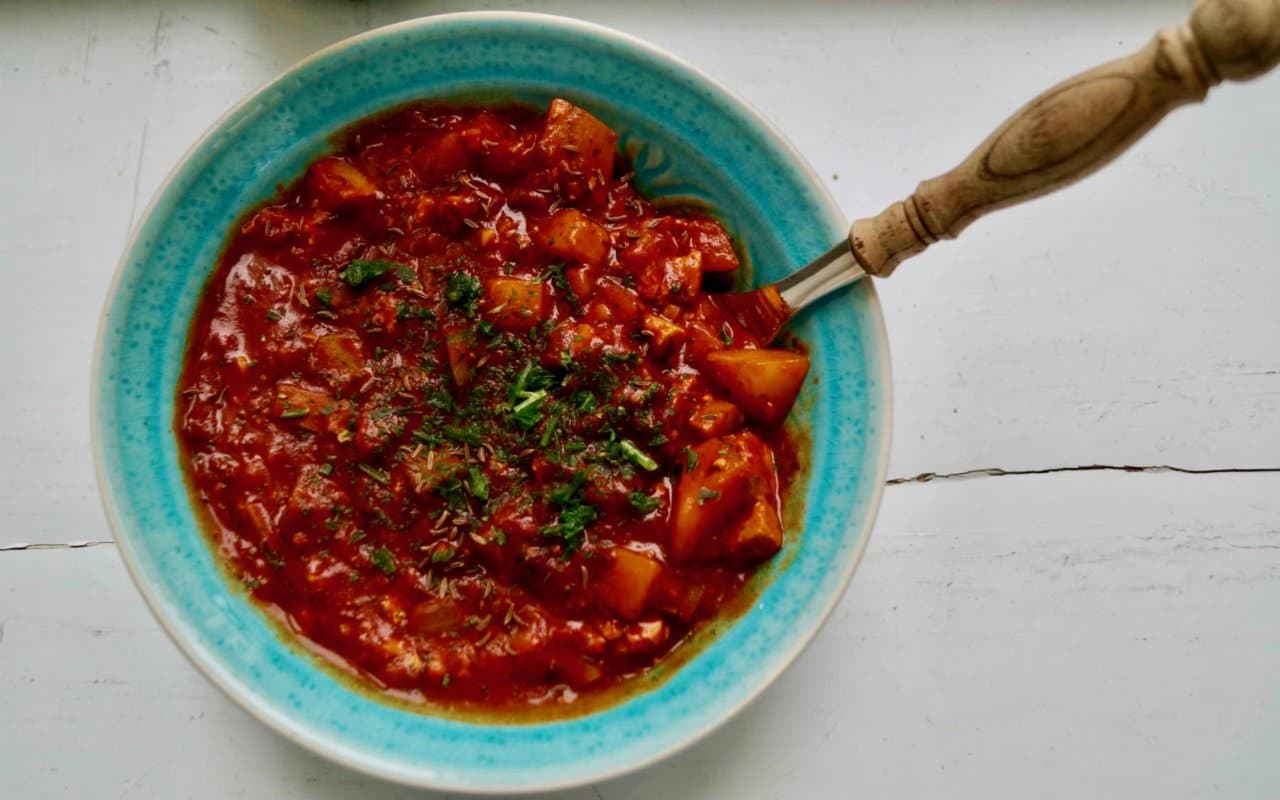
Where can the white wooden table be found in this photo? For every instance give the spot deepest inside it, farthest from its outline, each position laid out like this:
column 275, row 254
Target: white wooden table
column 1067, row 634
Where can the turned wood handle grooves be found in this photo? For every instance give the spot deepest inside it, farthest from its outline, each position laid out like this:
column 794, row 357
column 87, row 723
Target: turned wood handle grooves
column 1077, row 126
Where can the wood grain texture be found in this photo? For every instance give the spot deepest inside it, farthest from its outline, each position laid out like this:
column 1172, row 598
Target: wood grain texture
column 1078, row 126
column 1102, row 635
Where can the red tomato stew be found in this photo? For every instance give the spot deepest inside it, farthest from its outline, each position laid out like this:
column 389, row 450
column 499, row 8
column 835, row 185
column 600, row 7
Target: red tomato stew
column 463, row 416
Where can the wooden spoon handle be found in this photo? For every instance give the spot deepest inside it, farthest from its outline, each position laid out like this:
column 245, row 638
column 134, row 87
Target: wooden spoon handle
column 1077, row 126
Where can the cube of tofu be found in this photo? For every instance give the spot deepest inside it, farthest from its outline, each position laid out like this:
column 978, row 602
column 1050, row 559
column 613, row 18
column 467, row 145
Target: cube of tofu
column 574, row 236
column 514, row 304
column 581, row 141
column 763, row 383
column 628, row 582
column 339, row 357
column 336, row 182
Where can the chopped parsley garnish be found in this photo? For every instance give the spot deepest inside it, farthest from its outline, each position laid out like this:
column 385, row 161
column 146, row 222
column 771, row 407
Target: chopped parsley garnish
column 374, row 473
column 384, row 560
column 361, row 271
column 462, row 434
column 273, row 315
column 462, row 292
column 406, row 273
column 575, row 514
column 451, row 491
column 706, row 495
column 357, row 536
column 528, row 412
column 531, row 378
column 555, row 273
column 294, row 413
column 478, row 484
column 325, row 469
column 549, row 430
column 637, row 456
column 324, row 296
column 642, row 502
column 690, row 460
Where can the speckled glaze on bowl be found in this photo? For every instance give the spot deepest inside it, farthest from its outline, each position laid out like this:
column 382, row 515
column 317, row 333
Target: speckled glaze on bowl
column 689, row 137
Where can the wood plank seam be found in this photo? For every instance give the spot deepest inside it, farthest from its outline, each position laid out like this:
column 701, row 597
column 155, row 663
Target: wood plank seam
column 923, row 477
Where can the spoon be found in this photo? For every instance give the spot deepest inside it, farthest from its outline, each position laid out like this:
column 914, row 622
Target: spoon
column 1066, row 133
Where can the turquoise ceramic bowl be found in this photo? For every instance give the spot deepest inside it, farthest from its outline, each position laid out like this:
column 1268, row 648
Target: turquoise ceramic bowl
column 689, row 137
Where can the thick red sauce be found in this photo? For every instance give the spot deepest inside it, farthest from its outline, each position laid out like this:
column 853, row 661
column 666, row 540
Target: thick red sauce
column 461, row 413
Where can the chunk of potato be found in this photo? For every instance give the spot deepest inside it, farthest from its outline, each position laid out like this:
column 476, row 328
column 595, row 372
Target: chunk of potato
column 578, row 139
column 437, row 615
column 310, row 409
column 709, row 238
column 623, row 304
column 759, row 534
column 438, row 160
column 726, row 474
column 674, row 279
column 629, row 582
column 457, row 346
column 679, row 598
column 715, row 418
column 763, row 383
column 582, row 281
column 514, row 304
column 255, row 515
column 664, row 335
column 313, row 496
column 576, row 670
column 336, row 182
column 572, row 235
column 584, row 343
column 339, row 357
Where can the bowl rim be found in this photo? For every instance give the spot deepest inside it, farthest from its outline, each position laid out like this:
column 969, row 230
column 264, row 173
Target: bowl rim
column 319, row 743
